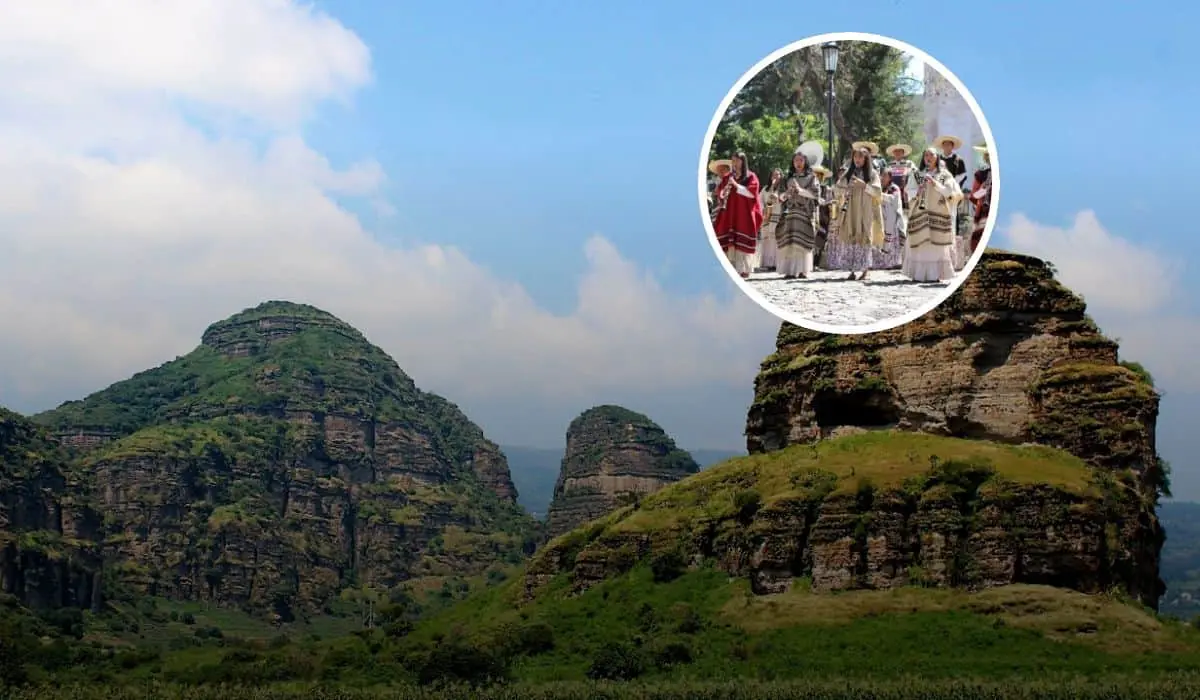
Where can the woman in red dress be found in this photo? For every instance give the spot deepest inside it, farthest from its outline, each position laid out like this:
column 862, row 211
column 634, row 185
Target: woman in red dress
column 740, row 215
column 981, row 196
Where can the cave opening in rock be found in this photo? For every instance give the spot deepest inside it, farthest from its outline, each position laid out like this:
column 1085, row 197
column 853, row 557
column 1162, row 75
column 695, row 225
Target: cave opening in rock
column 995, row 347
column 866, row 408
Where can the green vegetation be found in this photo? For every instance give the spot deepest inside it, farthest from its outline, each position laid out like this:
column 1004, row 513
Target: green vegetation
column 639, row 634
column 884, row 458
column 283, row 461
column 299, row 359
column 1181, row 686
column 874, row 103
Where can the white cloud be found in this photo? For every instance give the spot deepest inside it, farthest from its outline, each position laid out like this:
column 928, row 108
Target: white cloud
column 1128, row 289
column 1090, row 260
column 137, row 206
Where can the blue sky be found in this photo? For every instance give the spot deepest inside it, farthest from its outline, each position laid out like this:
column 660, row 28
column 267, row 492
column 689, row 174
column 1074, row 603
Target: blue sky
column 517, row 133
column 581, row 93
column 596, row 111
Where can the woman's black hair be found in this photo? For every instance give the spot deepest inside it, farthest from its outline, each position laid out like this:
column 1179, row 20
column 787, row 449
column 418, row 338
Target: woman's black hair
column 741, row 156
column 792, row 169
column 941, row 161
column 867, row 170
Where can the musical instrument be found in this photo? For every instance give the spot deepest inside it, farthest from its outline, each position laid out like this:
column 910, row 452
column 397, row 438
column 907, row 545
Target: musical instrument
column 723, row 197
column 921, row 190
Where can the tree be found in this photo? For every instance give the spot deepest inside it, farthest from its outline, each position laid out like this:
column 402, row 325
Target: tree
column 768, row 141
column 875, row 99
column 367, row 599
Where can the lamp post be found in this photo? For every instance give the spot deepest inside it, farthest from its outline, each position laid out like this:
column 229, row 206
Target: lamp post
column 829, row 51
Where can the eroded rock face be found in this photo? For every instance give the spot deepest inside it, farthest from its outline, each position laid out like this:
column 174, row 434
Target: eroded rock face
column 280, row 461
column 981, row 518
column 1010, row 357
column 613, row 456
column 49, row 556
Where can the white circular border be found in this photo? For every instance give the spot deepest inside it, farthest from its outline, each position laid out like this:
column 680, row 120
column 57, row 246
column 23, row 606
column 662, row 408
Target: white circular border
column 748, row 288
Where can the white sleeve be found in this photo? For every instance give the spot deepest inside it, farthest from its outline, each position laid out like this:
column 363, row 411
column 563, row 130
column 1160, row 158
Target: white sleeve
column 741, row 189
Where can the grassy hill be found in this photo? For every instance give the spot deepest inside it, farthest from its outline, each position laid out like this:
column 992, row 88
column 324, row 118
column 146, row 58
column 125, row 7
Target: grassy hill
column 666, row 626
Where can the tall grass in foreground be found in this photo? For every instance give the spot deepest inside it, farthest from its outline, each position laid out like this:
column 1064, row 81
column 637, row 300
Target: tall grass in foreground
column 1160, row 688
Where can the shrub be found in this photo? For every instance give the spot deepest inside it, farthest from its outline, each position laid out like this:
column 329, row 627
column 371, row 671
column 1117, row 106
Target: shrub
column 747, row 503
column 617, row 662
column 667, row 566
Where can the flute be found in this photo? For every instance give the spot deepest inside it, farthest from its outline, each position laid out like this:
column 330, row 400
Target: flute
column 921, row 191
column 723, row 198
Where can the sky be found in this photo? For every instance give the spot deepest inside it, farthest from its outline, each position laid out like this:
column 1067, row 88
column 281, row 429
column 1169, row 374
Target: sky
column 503, row 195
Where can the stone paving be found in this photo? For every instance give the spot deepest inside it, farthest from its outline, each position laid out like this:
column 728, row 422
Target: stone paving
column 827, row 297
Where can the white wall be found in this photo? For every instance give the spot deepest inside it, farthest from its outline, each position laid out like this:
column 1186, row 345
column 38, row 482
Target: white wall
column 946, row 112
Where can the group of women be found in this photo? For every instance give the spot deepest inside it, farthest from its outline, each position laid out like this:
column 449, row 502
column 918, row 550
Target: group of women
column 924, row 219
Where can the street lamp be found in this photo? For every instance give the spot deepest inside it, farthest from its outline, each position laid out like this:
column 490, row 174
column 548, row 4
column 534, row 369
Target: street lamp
column 829, row 51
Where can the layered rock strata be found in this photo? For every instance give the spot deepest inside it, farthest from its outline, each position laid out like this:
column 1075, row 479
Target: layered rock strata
column 1011, row 359
column 613, row 456
column 282, row 460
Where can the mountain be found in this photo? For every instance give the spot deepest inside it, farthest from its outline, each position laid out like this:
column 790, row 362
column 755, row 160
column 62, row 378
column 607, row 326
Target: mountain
column 535, row 471
column 981, row 478
column 613, row 456
column 1181, row 558
column 1010, row 358
column 962, row 507
column 283, row 460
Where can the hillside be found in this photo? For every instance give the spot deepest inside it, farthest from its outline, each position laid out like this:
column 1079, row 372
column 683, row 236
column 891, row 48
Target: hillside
column 1011, row 357
column 687, row 584
column 281, row 462
column 969, row 499
column 613, row 456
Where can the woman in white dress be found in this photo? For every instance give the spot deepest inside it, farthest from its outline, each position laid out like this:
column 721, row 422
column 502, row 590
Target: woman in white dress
column 895, row 224
column 931, row 235
column 771, row 209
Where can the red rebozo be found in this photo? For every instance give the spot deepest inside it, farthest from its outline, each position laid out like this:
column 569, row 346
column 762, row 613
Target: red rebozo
column 737, row 225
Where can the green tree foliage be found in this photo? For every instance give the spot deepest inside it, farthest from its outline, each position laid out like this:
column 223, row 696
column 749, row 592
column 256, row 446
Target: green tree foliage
column 874, row 102
column 768, row 141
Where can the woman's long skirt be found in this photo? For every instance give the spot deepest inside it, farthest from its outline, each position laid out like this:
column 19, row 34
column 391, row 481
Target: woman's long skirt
column 795, row 240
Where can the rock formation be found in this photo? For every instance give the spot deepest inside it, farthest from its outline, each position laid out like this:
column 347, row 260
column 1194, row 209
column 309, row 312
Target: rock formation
column 283, row 459
column 613, row 456
column 49, row 553
column 836, row 489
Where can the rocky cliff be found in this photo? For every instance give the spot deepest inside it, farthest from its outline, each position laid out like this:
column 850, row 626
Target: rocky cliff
column 282, row 460
column 907, row 457
column 49, row 554
column 613, row 456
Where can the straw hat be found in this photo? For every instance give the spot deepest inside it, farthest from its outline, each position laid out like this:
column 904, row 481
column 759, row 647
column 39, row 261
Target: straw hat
column 904, row 149
column 981, row 149
column 716, row 165
column 871, row 146
column 821, row 171
column 953, row 139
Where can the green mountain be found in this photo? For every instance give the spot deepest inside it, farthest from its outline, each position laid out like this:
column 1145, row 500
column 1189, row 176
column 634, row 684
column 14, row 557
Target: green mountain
column 283, row 461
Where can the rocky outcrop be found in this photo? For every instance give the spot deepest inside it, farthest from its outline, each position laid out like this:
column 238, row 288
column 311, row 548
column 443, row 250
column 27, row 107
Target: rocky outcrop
column 282, row 460
column 1011, row 357
column 996, row 440
column 613, row 456
column 49, row 554
column 868, row 511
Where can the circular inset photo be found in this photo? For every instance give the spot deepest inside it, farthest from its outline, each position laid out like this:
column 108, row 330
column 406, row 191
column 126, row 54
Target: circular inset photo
column 849, row 183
